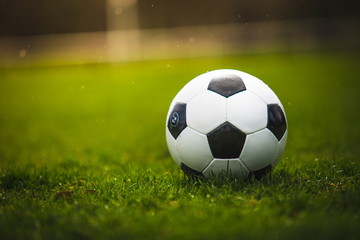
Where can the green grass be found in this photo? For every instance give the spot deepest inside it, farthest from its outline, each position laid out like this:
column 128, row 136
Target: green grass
column 83, row 154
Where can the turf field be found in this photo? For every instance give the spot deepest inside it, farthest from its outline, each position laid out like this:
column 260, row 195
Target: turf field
column 83, row 153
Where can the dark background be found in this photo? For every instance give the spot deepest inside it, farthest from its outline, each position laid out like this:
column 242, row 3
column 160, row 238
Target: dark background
column 22, row 17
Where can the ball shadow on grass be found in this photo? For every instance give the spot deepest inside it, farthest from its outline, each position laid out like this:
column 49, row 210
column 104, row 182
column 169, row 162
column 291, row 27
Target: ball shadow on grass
column 265, row 178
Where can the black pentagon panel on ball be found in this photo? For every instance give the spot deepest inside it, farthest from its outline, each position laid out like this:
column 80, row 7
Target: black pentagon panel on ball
column 189, row 171
column 226, row 141
column 276, row 120
column 259, row 174
column 227, row 85
column 177, row 119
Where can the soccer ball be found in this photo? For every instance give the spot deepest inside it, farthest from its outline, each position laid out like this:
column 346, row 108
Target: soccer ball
column 226, row 123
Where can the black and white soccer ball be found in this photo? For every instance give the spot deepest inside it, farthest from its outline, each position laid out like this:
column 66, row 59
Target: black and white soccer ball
column 226, row 123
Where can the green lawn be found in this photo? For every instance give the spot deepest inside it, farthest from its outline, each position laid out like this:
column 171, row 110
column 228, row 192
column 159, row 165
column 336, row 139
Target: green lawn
column 83, row 154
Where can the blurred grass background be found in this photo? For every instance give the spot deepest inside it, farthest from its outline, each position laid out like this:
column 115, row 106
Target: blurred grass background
column 122, row 107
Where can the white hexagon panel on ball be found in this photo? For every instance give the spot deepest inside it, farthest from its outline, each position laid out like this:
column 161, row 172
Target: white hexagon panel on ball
column 247, row 112
column 206, row 111
column 190, row 142
column 259, row 150
column 191, row 89
column 282, row 144
column 226, row 168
